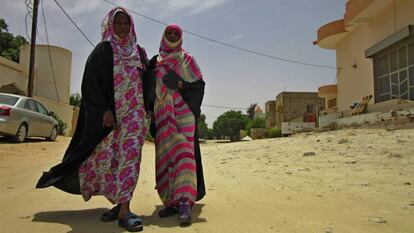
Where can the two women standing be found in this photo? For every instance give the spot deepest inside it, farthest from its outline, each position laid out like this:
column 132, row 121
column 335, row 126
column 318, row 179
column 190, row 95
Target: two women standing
column 103, row 157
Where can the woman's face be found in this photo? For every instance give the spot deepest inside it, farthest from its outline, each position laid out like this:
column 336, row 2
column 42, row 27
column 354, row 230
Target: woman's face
column 172, row 35
column 122, row 24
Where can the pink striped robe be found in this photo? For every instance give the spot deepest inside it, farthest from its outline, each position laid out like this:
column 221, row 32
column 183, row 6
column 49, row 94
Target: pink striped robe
column 175, row 125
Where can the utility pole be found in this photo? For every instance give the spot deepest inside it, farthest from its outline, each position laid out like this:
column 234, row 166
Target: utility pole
column 32, row 49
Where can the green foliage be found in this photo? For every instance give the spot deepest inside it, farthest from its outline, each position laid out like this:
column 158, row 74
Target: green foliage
column 250, row 111
column 255, row 123
column 3, row 25
column 274, row 133
column 75, row 99
column 229, row 124
column 62, row 125
column 148, row 137
column 210, row 134
column 9, row 44
column 202, row 127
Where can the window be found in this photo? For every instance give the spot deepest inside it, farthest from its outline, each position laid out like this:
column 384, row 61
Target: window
column 310, row 108
column 30, row 105
column 10, row 100
column 394, row 71
column 41, row 108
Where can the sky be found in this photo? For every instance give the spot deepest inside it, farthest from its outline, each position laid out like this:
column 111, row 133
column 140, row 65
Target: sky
column 234, row 78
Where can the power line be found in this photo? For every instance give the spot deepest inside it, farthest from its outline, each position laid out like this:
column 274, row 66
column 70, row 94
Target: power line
column 230, row 45
column 74, row 23
column 29, row 9
column 50, row 55
column 206, row 105
column 225, row 107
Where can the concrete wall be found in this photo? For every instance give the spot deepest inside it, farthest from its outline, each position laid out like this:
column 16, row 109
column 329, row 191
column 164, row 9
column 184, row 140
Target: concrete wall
column 257, row 133
column 45, row 85
column 13, row 77
column 353, row 83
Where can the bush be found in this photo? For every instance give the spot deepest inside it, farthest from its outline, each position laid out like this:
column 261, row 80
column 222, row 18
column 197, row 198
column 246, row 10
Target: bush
column 62, row 125
column 274, row 133
column 255, row 123
column 210, row 134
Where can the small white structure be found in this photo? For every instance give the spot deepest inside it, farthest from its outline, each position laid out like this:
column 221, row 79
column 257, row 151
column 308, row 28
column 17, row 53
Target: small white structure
column 295, row 127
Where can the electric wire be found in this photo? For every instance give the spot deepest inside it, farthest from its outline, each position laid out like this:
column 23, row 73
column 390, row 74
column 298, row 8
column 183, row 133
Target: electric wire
column 50, row 54
column 57, row 3
column 227, row 44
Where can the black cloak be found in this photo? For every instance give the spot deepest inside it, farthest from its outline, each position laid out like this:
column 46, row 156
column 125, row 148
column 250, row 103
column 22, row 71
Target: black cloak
column 97, row 98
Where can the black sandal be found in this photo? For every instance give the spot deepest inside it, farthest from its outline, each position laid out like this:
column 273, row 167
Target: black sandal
column 168, row 212
column 111, row 215
column 131, row 222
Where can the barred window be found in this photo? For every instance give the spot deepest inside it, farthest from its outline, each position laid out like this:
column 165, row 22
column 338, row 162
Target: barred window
column 394, row 71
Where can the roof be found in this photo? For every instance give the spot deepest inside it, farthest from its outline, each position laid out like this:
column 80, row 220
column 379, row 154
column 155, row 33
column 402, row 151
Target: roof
column 258, row 109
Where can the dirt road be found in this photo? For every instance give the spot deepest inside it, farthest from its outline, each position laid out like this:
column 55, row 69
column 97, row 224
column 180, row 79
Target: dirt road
column 346, row 181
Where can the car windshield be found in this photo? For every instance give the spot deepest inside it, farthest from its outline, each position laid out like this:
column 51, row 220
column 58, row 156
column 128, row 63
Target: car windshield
column 9, row 100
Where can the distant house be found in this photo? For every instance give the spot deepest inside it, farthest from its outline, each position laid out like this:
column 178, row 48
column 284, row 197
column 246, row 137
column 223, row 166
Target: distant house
column 293, row 106
column 374, row 45
column 258, row 113
column 51, row 86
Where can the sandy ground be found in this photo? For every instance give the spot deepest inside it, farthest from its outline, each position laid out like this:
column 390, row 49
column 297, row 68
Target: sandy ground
column 350, row 181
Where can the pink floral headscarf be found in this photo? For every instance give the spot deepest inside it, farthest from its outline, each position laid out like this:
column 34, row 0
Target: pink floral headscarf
column 126, row 48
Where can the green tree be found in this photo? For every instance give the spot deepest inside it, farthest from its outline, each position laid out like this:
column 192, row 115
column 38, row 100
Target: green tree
column 210, row 134
column 75, row 99
column 255, row 123
column 250, row 111
column 10, row 45
column 202, row 127
column 229, row 124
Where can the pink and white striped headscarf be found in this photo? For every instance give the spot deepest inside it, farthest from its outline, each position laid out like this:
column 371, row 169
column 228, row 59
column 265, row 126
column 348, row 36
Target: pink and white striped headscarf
column 174, row 57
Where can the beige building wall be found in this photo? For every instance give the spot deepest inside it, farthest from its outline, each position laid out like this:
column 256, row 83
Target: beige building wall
column 355, row 82
column 13, row 77
column 270, row 113
column 55, row 87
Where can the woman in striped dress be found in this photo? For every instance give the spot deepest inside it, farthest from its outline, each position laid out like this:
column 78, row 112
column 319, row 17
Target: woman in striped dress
column 179, row 91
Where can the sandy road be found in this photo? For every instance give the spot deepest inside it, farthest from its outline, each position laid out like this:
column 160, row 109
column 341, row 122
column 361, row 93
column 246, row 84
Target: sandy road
column 356, row 180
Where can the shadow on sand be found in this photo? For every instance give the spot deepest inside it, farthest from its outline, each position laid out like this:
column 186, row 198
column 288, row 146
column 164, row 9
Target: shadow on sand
column 8, row 140
column 81, row 221
column 172, row 221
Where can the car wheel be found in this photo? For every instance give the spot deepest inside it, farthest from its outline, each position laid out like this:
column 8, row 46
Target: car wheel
column 53, row 134
column 21, row 134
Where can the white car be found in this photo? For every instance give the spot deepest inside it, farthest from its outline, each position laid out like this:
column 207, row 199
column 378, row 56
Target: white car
column 22, row 117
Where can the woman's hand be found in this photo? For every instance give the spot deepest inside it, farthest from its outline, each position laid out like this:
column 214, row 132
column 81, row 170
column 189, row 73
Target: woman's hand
column 109, row 120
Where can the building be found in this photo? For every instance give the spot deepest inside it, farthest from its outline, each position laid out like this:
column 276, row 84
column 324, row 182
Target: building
column 374, row 45
column 293, row 106
column 51, row 79
column 258, row 113
column 270, row 113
